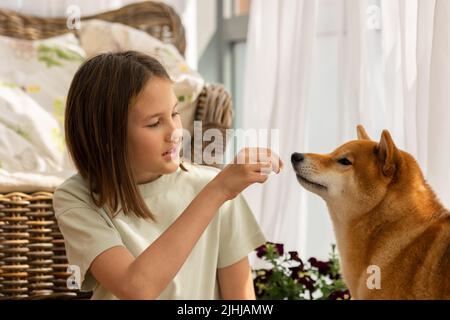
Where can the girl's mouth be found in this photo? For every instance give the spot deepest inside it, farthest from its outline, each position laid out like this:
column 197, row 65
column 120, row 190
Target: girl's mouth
column 171, row 152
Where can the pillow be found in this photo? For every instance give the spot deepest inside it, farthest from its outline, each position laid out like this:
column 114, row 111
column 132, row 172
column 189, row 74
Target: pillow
column 30, row 137
column 97, row 36
column 42, row 68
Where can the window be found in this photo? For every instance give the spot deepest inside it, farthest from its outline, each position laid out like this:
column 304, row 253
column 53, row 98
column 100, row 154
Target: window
column 235, row 8
column 233, row 23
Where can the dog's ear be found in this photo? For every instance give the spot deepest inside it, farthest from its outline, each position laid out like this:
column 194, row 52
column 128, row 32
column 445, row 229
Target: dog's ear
column 387, row 154
column 362, row 134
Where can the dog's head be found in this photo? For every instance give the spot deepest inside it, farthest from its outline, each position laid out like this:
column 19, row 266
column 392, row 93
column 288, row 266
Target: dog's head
column 356, row 176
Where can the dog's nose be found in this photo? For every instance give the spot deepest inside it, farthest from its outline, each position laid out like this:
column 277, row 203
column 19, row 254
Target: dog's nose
column 297, row 158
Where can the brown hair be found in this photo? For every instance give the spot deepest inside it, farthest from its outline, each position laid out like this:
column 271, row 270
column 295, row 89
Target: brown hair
column 100, row 96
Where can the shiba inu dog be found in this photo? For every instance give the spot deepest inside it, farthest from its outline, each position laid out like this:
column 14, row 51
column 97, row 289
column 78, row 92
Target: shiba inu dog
column 386, row 219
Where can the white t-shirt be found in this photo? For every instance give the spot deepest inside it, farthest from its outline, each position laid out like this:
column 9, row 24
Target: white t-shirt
column 88, row 231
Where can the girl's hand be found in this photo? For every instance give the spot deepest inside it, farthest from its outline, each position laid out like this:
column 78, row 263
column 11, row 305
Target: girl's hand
column 251, row 165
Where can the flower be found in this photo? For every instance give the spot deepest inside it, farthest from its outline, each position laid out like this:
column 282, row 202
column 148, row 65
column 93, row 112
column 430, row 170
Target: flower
column 339, row 295
column 290, row 278
column 307, row 282
column 323, row 267
column 276, row 249
column 280, row 248
column 261, row 251
column 294, row 256
column 296, row 272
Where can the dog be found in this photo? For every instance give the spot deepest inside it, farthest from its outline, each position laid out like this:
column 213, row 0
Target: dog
column 392, row 233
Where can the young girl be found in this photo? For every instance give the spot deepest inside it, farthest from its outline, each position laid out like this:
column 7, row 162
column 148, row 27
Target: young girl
column 138, row 223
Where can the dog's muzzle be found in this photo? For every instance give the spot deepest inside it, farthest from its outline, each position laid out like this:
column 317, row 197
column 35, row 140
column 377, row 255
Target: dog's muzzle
column 297, row 160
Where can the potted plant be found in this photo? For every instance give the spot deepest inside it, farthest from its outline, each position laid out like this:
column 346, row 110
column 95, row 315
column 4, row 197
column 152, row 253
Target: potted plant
column 288, row 277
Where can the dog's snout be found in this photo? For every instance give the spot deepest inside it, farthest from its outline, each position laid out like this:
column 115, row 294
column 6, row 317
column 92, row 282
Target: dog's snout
column 297, row 158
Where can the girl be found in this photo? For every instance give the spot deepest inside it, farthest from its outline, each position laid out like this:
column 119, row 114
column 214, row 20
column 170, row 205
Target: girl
column 136, row 222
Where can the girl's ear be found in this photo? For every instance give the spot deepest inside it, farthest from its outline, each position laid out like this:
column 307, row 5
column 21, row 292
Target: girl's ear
column 362, row 134
column 387, row 154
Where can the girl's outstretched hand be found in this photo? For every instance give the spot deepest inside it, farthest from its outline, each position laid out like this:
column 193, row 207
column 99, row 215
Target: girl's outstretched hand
column 251, row 165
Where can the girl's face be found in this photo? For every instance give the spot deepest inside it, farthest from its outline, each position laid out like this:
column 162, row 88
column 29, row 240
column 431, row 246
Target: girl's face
column 154, row 131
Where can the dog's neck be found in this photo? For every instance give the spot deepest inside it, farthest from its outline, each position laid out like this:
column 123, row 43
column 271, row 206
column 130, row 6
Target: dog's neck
column 359, row 237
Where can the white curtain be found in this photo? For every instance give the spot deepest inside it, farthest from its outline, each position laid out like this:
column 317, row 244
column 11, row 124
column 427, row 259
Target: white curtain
column 398, row 78
column 279, row 55
column 382, row 63
column 436, row 135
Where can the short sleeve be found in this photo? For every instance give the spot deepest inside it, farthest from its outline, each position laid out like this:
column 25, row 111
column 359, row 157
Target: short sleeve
column 86, row 235
column 240, row 234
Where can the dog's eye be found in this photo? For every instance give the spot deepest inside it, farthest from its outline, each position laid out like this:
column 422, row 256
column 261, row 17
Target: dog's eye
column 345, row 162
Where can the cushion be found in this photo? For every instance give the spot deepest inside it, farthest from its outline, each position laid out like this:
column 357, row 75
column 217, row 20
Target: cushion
column 42, row 68
column 35, row 76
column 30, row 137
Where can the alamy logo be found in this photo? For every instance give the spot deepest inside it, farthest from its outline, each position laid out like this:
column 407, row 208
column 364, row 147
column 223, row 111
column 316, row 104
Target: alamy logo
column 73, row 14
column 373, row 21
column 220, row 147
column 374, row 279
column 74, row 280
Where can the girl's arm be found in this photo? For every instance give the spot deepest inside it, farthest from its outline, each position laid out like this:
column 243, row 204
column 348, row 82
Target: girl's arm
column 236, row 281
column 146, row 276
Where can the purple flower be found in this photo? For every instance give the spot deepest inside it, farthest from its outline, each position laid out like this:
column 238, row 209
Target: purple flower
column 295, row 272
column 295, row 257
column 324, row 267
column 335, row 276
column 307, row 282
column 279, row 248
column 262, row 276
column 339, row 295
column 261, row 251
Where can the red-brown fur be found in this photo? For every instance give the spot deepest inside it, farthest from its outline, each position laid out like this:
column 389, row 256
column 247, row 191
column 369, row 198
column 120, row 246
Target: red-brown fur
column 384, row 214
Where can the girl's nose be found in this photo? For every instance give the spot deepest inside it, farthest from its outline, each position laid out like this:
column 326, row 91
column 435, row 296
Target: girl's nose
column 175, row 135
column 174, row 132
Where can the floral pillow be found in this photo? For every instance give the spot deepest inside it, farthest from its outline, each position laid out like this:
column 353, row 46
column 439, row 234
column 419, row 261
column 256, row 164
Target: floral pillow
column 41, row 68
column 35, row 76
column 30, row 137
column 98, row 36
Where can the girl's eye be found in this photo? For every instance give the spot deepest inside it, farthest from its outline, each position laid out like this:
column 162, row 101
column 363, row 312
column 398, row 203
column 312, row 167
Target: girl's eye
column 345, row 162
column 157, row 124
column 154, row 125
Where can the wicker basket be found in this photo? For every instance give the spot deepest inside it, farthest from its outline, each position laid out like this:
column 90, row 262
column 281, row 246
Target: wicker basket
column 156, row 18
column 33, row 264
